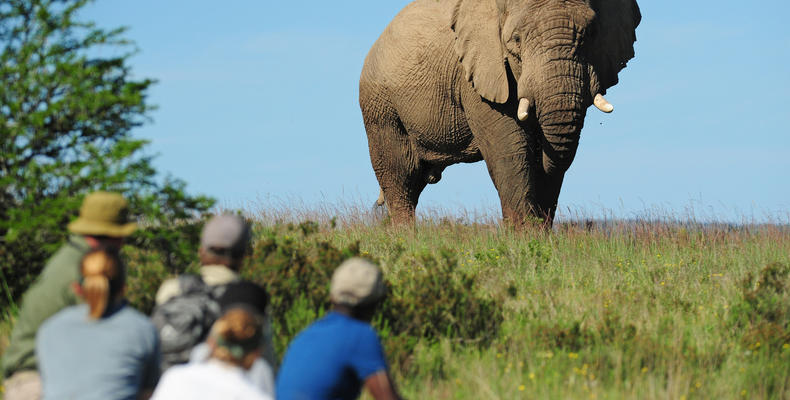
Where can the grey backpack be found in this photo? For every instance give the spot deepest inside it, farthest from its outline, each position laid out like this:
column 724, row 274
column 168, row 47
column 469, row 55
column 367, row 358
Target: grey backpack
column 185, row 320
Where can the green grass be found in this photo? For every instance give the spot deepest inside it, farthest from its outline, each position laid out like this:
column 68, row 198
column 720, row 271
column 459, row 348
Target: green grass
column 636, row 310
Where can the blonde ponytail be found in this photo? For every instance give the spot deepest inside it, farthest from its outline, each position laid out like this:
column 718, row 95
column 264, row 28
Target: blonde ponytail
column 102, row 278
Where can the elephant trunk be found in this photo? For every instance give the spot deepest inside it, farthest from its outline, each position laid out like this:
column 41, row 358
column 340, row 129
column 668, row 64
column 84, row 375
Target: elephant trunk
column 561, row 136
column 561, row 114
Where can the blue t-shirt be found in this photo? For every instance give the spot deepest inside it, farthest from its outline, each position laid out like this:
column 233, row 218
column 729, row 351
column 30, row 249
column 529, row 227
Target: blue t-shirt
column 110, row 358
column 330, row 360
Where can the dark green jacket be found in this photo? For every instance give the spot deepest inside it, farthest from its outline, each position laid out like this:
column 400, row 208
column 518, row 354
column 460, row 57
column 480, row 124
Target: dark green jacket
column 50, row 293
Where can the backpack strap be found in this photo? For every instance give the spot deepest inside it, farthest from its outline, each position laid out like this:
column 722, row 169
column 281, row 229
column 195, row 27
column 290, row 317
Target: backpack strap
column 190, row 283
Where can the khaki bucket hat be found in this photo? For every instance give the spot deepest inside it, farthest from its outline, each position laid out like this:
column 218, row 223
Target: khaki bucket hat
column 103, row 214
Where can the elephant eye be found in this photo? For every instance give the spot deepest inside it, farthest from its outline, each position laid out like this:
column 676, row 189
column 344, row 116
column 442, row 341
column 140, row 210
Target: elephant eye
column 516, row 37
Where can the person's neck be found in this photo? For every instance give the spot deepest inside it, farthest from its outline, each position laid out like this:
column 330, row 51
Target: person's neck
column 114, row 306
column 111, row 243
column 92, row 242
column 341, row 309
column 352, row 312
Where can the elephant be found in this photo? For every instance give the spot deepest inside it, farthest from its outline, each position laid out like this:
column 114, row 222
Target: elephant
column 504, row 81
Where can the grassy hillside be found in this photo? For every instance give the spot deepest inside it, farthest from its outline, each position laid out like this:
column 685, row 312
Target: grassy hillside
column 475, row 311
column 633, row 311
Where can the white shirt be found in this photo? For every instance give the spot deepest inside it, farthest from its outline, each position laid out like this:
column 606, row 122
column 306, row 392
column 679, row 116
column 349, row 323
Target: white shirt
column 207, row 380
column 260, row 373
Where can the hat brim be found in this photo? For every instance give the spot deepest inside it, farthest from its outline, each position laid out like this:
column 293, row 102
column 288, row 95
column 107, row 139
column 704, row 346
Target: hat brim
column 81, row 226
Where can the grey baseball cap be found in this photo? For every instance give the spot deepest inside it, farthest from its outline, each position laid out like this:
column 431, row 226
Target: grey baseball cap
column 226, row 234
column 356, row 282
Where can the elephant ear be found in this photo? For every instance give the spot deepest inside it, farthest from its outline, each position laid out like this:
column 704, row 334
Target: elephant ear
column 612, row 44
column 479, row 48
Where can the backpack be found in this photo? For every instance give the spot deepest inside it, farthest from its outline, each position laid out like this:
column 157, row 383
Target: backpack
column 185, row 320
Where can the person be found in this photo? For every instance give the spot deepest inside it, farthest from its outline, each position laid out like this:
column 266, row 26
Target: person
column 102, row 222
column 256, row 300
column 103, row 349
column 235, row 343
column 224, row 244
column 338, row 354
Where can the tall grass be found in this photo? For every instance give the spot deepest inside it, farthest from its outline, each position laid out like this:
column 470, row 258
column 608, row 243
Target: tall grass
column 652, row 307
column 599, row 308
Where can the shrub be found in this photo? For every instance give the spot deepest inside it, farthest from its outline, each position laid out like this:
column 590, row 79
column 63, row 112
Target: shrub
column 430, row 300
column 764, row 311
column 434, row 299
column 296, row 271
column 70, row 103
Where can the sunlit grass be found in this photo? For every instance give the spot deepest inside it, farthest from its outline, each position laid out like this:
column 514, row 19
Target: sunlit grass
column 595, row 309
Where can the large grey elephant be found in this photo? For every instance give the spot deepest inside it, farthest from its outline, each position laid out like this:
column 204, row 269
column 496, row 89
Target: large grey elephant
column 505, row 81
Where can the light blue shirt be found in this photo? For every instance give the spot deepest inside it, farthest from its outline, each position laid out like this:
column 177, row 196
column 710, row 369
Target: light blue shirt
column 106, row 359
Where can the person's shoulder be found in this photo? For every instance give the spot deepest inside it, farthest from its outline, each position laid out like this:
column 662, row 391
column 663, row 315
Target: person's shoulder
column 353, row 323
column 137, row 322
column 346, row 329
column 74, row 248
column 139, row 318
column 177, row 372
column 79, row 311
column 132, row 314
column 169, row 289
column 174, row 383
column 64, row 259
column 66, row 316
column 245, row 389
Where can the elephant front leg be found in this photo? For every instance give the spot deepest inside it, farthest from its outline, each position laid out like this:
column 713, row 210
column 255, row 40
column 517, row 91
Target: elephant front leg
column 551, row 174
column 514, row 176
column 549, row 195
column 509, row 156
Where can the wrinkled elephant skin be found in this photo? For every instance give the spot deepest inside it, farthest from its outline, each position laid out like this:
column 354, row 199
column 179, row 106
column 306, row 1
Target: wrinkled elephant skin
column 505, row 81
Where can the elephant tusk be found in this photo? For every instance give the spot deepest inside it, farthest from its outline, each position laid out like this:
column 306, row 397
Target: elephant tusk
column 523, row 109
column 601, row 104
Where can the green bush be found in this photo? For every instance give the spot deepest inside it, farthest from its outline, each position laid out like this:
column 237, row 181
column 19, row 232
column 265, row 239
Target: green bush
column 66, row 122
column 429, row 301
column 433, row 299
column 296, row 271
column 765, row 309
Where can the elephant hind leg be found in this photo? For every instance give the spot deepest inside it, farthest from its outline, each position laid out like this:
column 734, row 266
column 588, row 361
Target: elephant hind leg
column 396, row 165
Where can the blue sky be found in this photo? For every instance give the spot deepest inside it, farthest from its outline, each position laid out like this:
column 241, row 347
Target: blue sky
column 258, row 100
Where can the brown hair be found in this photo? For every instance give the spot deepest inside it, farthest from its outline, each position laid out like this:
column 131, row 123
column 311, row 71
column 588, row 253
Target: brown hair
column 103, row 277
column 237, row 335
